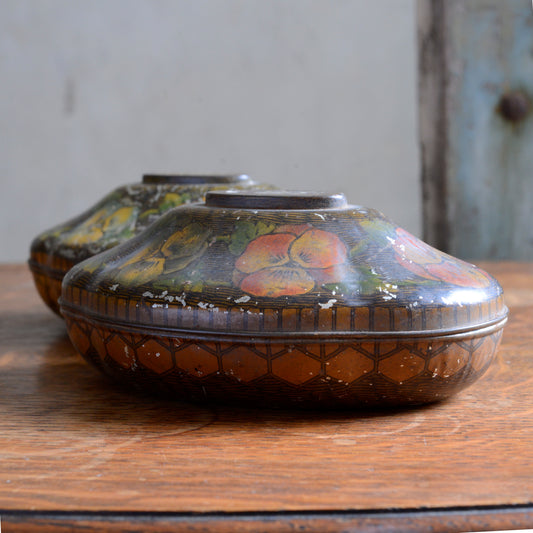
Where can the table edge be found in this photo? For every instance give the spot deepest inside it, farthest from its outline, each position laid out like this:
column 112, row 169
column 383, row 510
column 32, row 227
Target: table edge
column 471, row 518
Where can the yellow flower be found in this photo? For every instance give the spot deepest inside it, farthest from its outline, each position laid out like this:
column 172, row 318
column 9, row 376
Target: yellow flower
column 118, row 219
column 142, row 271
column 88, row 231
column 101, row 225
column 177, row 251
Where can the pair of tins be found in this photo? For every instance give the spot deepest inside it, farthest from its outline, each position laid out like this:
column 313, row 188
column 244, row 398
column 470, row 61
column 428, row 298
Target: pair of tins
column 270, row 298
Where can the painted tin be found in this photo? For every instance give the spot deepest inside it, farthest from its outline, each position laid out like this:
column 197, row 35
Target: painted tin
column 284, row 299
column 120, row 215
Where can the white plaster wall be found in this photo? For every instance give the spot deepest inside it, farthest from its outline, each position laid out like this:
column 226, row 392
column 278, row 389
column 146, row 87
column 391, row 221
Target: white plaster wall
column 306, row 94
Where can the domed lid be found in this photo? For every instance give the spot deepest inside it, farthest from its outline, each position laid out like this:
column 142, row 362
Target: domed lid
column 126, row 211
column 282, row 264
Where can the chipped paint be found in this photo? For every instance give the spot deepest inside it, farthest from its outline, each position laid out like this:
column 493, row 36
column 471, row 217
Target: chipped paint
column 328, row 304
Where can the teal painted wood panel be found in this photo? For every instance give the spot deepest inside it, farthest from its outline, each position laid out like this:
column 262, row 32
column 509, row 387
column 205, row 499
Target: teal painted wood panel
column 477, row 153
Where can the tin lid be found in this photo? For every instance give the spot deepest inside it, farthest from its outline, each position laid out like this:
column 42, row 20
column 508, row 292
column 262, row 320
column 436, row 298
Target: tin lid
column 195, row 179
column 123, row 213
column 282, row 264
column 277, row 200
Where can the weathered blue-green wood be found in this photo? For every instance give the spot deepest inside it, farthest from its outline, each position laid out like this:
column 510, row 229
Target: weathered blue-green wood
column 477, row 162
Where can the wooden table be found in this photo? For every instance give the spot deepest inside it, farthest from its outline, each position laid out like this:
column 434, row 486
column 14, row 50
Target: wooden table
column 79, row 453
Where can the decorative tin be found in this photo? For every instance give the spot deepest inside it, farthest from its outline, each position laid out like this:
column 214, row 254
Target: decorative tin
column 120, row 215
column 283, row 299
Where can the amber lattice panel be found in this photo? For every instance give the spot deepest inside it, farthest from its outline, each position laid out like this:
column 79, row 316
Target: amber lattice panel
column 365, row 373
column 48, row 273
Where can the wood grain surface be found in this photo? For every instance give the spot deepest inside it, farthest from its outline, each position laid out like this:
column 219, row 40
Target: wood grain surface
column 72, row 442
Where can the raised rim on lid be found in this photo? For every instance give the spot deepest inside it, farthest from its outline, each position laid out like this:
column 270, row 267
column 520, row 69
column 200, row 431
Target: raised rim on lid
column 275, row 200
column 194, row 179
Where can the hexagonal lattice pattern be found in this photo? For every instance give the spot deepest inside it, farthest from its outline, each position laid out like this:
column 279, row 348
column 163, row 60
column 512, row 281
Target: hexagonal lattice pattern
column 319, row 351
column 483, row 351
column 197, row 360
column 155, row 356
column 401, row 366
column 99, row 344
column 244, row 365
column 449, row 360
column 79, row 338
column 120, row 351
column 264, row 369
column 349, row 365
column 295, row 367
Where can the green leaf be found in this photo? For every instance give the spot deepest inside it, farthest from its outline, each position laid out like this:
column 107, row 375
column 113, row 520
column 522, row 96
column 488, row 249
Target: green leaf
column 128, row 233
column 263, row 228
column 358, row 248
column 197, row 287
column 339, row 288
column 171, row 200
column 244, row 232
column 360, row 280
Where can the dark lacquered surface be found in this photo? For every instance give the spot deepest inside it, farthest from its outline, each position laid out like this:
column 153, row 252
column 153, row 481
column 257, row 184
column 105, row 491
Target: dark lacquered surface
column 288, row 200
column 188, row 179
column 212, row 258
column 331, row 306
column 120, row 215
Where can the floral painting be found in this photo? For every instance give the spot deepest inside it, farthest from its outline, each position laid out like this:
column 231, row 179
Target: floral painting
column 427, row 262
column 177, row 252
column 106, row 224
column 264, row 259
column 291, row 260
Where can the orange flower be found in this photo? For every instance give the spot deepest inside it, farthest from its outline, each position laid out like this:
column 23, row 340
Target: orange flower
column 290, row 261
column 427, row 262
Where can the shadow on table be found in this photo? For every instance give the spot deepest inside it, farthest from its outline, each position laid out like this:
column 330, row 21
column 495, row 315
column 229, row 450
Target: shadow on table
column 48, row 385
column 76, row 393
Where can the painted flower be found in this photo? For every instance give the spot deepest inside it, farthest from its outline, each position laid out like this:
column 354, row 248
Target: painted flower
column 178, row 251
column 290, row 261
column 102, row 224
column 427, row 262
